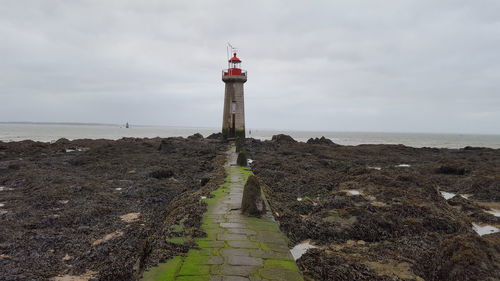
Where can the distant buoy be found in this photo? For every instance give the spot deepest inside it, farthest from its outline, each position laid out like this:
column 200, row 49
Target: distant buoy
column 127, row 125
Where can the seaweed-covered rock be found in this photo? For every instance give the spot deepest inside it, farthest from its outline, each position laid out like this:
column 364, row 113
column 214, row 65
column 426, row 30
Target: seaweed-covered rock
column 196, row 136
column 322, row 266
column 338, row 196
column 62, row 141
column 282, row 138
column 87, row 204
column 321, row 140
column 215, row 136
column 252, row 203
column 166, row 146
column 161, row 174
column 467, row 257
column 453, row 168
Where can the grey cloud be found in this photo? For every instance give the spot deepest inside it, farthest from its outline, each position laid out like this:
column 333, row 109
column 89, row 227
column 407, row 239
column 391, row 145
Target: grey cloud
column 422, row 66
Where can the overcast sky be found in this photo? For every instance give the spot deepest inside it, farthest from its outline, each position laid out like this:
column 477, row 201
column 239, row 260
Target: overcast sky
column 397, row 66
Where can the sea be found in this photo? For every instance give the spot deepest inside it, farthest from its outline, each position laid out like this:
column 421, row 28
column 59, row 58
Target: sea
column 51, row 132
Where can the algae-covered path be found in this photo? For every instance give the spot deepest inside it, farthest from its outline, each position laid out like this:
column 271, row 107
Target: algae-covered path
column 236, row 247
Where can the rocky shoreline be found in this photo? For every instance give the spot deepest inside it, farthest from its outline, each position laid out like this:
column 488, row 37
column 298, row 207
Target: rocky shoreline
column 108, row 210
column 101, row 209
column 377, row 212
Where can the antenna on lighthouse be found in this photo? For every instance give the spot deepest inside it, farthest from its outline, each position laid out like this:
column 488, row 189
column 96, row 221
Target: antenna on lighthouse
column 230, row 53
column 233, row 49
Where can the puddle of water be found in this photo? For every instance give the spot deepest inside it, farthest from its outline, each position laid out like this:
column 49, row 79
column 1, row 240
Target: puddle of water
column 250, row 161
column 375, row 168
column 63, row 201
column 447, row 195
column 77, row 149
column 301, row 249
column 494, row 212
column 4, row 188
column 353, row 192
column 484, row 229
column 2, row 204
column 403, row 165
column 118, row 188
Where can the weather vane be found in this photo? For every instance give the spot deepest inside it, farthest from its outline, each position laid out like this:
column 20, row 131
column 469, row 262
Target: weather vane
column 230, row 50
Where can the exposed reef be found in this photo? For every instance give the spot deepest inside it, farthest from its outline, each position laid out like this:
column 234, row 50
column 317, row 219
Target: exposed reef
column 376, row 212
column 102, row 209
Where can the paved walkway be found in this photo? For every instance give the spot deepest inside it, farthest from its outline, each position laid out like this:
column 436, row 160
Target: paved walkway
column 237, row 247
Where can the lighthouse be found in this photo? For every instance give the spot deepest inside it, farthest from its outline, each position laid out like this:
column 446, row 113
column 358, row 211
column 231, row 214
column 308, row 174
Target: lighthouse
column 233, row 121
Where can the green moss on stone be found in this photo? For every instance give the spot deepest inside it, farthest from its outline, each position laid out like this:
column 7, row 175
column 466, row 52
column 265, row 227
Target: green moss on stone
column 260, row 224
column 288, row 265
column 192, row 268
column 195, row 259
column 177, row 228
column 245, row 171
column 203, row 252
column 164, row 271
column 178, row 240
column 193, row 278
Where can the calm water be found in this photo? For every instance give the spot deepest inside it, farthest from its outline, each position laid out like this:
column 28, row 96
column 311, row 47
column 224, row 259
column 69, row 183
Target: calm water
column 50, row 132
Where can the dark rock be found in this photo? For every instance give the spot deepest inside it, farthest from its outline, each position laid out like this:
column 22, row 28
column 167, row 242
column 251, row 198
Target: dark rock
column 321, row 140
column 452, row 170
column 204, row 181
column 196, row 136
column 166, row 147
column 242, row 159
column 282, row 138
column 14, row 166
column 474, row 148
column 334, row 267
column 466, row 257
column 399, row 223
column 60, row 203
column 215, row 136
column 161, row 174
column 62, row 141
column 252, row 203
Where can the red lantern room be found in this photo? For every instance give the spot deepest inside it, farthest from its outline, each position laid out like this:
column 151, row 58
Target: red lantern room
column 234, row 67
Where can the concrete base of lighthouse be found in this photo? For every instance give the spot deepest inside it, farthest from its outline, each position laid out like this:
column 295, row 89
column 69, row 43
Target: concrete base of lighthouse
column 233, row 121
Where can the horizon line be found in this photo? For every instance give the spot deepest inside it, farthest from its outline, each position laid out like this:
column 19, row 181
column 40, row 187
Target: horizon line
column 262, row 129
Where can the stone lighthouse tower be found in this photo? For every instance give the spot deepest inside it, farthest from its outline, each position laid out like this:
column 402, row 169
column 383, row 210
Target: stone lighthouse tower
column 233, row 122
